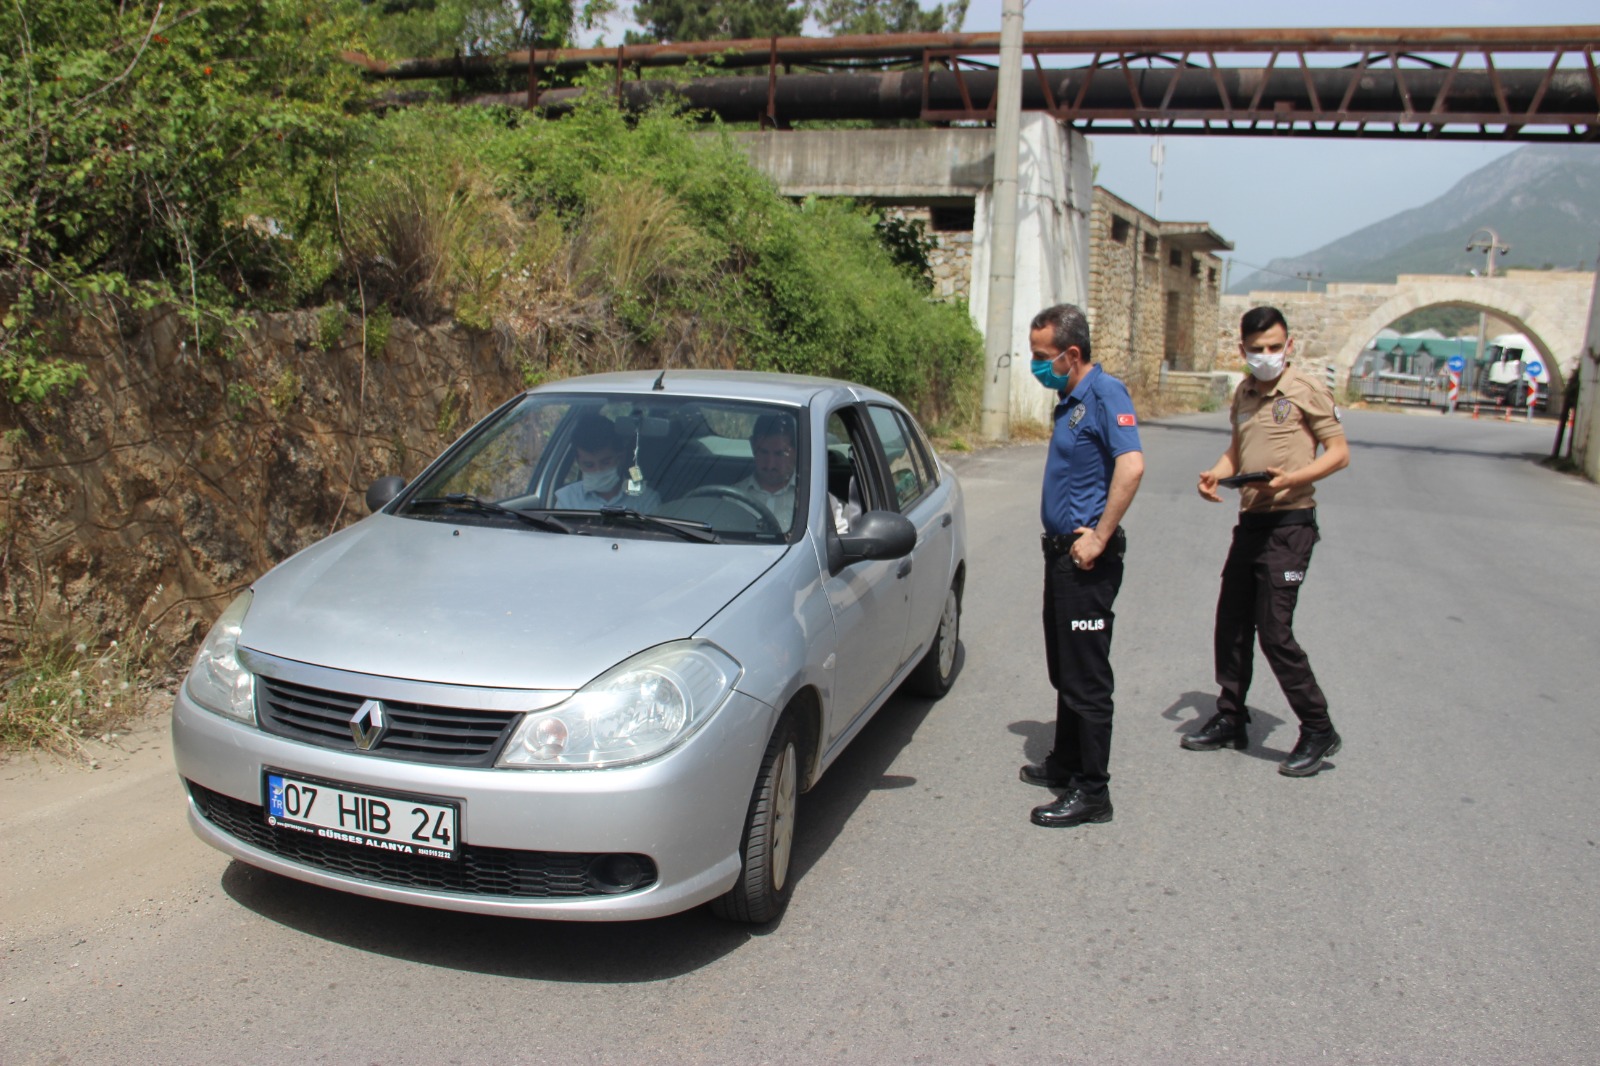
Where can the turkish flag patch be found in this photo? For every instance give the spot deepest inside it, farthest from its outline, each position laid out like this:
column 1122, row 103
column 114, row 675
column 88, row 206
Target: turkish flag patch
column 1126, row 420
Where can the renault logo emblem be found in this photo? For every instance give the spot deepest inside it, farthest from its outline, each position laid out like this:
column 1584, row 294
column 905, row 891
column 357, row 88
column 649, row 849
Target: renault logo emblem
column 368, row 725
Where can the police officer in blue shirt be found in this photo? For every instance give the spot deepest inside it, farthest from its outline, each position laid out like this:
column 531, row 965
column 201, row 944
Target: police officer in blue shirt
column 1090, row 476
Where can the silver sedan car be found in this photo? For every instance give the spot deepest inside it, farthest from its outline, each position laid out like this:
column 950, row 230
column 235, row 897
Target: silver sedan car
column 584, row 664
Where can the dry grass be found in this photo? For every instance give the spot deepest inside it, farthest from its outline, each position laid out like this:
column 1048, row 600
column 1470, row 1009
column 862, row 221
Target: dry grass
column 584, row 298
column 636, row 241
column 56, row 695
column 433, row 243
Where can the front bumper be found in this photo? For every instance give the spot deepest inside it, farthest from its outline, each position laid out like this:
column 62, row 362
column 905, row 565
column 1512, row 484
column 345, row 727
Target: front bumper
column 684, row 812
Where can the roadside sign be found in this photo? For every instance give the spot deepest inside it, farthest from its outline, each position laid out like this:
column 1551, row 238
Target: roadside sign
column 1534, row 368
column 1456, row 364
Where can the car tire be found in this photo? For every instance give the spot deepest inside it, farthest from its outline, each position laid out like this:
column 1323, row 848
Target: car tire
column 937, row 671
column 767, row 847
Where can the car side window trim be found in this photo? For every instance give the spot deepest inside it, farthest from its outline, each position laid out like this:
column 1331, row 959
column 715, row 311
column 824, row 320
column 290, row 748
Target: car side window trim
column 867, row 455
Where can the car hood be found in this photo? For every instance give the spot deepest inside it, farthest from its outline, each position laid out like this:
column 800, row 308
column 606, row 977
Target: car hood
column 489, row 606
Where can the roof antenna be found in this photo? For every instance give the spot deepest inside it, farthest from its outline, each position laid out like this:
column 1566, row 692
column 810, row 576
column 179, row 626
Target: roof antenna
column 658, row 386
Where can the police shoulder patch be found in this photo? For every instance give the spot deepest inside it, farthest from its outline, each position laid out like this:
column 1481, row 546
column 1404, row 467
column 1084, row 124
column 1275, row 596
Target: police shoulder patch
column 1126, row 420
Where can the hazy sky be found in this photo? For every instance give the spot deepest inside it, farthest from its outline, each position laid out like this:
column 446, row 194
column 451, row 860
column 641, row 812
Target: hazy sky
column 1279, row 196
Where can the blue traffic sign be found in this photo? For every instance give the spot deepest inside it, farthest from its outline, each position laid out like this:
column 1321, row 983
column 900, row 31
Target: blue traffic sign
column 1457, row 363
column 1534, row 368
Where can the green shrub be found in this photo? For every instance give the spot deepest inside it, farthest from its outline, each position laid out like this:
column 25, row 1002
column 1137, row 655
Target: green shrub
column 156, row 154
column 331, row 324
column 225, row 165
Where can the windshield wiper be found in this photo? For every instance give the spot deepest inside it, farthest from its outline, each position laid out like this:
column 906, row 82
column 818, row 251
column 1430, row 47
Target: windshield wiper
column 681, row 527
column 466, row 502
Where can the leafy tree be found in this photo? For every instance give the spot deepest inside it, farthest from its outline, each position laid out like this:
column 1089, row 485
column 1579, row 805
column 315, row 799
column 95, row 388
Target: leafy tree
column 143, row 146
column 478, row 27
column 715, row 20
column 908, row 244
column 888, row 16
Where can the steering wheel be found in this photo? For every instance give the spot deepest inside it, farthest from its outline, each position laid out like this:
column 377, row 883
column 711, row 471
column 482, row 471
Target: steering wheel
column 765, row 522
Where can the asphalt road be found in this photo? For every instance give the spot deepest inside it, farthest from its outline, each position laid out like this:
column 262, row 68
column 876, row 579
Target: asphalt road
column 1431, row 898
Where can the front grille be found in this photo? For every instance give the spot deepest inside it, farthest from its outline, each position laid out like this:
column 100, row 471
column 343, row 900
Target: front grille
column 498, row 872
column 447, row 736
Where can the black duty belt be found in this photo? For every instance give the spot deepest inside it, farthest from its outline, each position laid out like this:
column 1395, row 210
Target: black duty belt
column 1061, row 543
column 1302, row 516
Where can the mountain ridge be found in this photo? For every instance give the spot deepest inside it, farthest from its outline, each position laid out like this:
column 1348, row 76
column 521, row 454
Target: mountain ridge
column 1542, row 200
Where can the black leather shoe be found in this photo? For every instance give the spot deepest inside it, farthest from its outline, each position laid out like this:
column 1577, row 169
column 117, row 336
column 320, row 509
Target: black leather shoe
column 1306, row 758
column 1223, row 731
column 1072, row 809
column 1035, row 774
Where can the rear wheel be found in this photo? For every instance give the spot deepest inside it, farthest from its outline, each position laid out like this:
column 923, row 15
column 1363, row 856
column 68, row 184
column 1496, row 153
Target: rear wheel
column 937, row 671
column 764, row 885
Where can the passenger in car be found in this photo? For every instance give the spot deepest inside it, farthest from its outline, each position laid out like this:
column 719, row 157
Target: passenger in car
column 602, row 453
column 772, row 442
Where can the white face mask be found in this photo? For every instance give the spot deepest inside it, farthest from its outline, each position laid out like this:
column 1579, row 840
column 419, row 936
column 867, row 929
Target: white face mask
column 1266, row 365
column 601, row 482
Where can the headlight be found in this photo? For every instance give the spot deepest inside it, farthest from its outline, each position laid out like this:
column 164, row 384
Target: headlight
column 218, row 681
column 634, row 711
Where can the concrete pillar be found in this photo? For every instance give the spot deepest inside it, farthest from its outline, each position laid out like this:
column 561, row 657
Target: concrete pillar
column 1586, row 431
column 1055, row 196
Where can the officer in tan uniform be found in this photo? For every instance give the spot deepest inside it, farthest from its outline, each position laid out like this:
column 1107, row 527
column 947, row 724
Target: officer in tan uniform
column 1280, row 417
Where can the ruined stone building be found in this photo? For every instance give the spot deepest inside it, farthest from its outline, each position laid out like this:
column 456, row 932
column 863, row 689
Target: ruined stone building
column 1155, row 288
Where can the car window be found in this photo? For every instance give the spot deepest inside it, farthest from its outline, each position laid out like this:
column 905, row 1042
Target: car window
column 907, row 474
column 852, row 488
column 680, row 458
column 501, row 462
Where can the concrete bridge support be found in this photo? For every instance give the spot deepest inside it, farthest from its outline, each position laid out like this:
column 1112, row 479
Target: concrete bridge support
column 1586, row 430
column 955, row 167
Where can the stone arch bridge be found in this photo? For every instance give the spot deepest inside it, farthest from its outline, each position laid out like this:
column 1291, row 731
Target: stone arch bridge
column 1331, row 328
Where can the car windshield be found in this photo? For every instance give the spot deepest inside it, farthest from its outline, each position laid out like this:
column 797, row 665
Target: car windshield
column 681, row 468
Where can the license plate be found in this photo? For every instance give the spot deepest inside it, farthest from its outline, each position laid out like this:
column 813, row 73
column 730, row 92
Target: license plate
column 398, row 824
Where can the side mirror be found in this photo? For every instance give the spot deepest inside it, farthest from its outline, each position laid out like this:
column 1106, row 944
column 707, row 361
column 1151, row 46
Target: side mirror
column 381, row 491
column 877, row 535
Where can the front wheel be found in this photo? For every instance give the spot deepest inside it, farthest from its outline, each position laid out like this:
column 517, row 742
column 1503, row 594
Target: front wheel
column 764, row 885
column 937, row 671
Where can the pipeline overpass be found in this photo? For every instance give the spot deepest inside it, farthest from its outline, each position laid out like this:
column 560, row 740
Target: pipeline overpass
column 1472, row 83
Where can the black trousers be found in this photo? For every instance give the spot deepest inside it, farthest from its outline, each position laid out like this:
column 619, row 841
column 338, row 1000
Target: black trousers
column 1077, row 646
column 1260, row 588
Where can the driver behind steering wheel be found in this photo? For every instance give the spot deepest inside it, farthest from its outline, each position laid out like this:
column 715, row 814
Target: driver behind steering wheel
column 772, row 442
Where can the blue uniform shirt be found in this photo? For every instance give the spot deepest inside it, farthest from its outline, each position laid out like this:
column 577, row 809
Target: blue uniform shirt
column 1094, row 424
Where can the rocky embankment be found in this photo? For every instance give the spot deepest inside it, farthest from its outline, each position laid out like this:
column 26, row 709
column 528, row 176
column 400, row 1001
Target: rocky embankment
column 167, row 480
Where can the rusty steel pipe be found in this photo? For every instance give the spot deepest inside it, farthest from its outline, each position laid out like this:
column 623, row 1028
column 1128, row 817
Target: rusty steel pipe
column 1540, row 97
column 911, row 47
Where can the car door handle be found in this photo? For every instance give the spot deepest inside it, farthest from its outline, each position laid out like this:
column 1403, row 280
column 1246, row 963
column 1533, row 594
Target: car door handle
column 946, row 520
column 905, row 568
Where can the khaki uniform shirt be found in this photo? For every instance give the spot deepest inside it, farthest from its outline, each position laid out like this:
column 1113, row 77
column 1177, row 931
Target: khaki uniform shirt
column 1281, row 427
